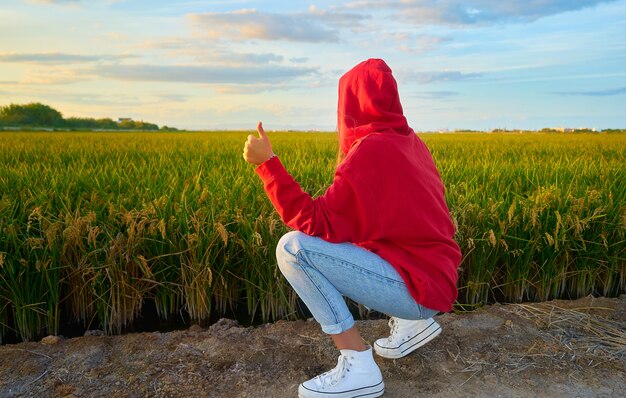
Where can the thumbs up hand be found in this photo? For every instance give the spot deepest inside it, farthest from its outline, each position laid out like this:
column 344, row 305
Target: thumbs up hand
column 258, row 150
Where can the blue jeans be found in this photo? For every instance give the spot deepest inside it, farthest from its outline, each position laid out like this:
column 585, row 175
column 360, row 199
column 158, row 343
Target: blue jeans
column 322, row 273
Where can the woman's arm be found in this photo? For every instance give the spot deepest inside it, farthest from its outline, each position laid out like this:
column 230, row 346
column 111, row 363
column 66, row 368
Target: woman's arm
column 336, row 216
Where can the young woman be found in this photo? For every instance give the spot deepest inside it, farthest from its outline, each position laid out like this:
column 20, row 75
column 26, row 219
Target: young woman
column 381, row 234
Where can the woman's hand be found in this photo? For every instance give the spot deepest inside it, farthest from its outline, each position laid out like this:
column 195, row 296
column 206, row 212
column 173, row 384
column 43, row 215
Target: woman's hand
column 258, row 150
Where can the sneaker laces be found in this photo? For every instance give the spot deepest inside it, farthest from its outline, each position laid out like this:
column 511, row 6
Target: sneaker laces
column 393, row 324
column 334, row 376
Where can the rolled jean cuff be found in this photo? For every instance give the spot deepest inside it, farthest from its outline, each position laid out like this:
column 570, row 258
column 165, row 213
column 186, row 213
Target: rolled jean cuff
column 340, row 327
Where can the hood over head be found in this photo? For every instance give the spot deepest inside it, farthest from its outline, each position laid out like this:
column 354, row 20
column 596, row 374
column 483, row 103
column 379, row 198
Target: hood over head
column 369, row 103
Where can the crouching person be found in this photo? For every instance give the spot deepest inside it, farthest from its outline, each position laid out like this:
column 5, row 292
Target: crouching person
column 381, row 234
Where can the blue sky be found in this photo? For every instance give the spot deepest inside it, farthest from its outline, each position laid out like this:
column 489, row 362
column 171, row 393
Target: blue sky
column 480, row 64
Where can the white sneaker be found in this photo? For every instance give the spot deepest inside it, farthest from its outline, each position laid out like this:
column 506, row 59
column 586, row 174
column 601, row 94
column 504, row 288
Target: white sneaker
column 406, row 337
column 356, row 375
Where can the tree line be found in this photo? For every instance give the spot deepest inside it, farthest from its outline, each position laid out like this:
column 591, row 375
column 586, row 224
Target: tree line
column 41, row 115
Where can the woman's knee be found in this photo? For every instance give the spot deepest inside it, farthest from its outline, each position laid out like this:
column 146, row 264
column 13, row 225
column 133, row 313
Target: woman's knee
column 289, row 244
column 287, row 249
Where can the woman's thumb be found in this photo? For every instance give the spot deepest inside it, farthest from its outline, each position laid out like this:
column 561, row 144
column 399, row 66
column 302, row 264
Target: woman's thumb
column 259, row 128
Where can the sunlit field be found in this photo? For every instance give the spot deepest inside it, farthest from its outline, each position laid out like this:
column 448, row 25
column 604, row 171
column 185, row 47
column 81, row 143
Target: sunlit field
column 95, row 225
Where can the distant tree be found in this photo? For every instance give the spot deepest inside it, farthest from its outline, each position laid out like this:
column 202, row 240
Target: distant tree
column 146, row 126
column 40, row 115
column 135, row 125
column 107, row 123
column 80, row 123
column 33, row 114
column 90, row 123
column 548, row 130
column 126, row 124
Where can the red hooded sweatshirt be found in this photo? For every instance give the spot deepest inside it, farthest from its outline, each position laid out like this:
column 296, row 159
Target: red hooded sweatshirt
column 386, row 196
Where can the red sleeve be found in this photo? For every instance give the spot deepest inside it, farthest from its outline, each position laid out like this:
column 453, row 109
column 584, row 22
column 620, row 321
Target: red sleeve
column 339, row 215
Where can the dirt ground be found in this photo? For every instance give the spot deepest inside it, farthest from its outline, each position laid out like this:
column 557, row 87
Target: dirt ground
column 554, row 349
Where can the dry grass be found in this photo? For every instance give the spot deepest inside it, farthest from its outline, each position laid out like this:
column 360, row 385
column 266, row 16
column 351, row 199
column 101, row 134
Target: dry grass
column 581, row 331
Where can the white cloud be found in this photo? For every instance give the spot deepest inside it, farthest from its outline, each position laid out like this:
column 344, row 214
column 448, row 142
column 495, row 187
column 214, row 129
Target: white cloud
column 248, row 24
column 172, row 97
column 440, row 76
column 54, row 76
column 222, row 57
column 461, row 12
column 297, row 60
column 202, row 74
column 336, row 18
column 418, row 44
column 250, row 88
column 595, row 93
column 205, row 51
column 251, row 24
column 435, row 95
column 57, row 58
column 52, row 1
column 117, row 36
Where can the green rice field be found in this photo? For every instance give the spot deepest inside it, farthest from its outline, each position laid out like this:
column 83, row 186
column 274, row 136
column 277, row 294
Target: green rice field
column 95, row 226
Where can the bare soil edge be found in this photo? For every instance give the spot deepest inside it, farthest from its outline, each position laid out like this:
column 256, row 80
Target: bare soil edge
column 554, row 349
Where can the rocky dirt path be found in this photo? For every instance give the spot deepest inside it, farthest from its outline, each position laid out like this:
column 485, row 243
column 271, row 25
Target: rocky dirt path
column 555, row 349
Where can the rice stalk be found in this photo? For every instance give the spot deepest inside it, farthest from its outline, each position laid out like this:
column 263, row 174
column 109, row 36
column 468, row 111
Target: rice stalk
column 94, row 225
